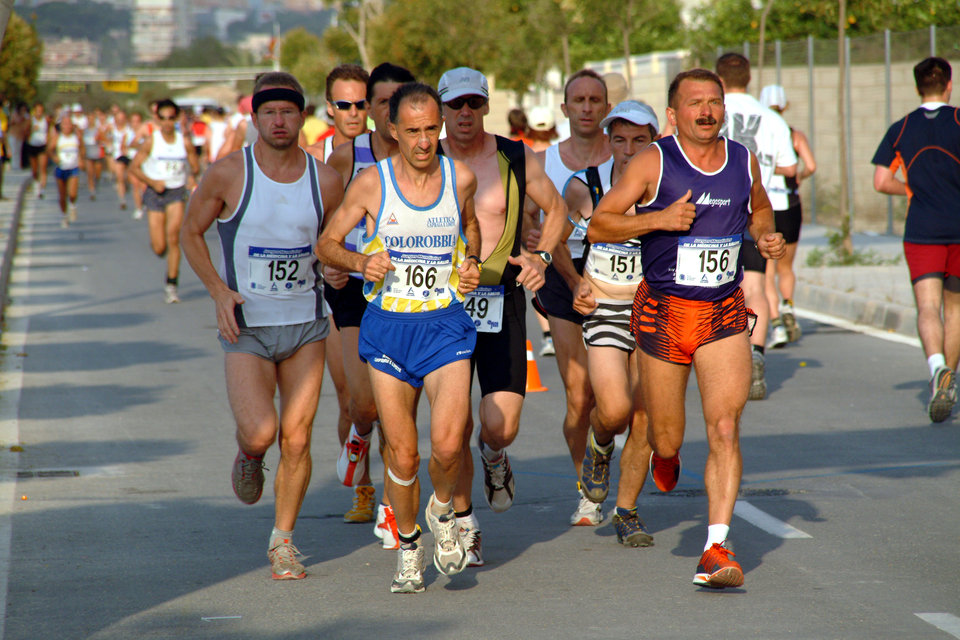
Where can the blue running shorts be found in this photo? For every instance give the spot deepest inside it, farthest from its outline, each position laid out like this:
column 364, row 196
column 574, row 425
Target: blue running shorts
column 408, row 346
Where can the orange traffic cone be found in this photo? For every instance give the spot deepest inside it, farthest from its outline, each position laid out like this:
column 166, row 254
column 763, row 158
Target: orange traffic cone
column 533, row 374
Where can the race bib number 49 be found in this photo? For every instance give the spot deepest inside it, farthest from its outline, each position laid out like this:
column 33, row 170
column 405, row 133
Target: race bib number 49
column 420, row 277
column 274, row 270
column 707, row 262
column 485, row 306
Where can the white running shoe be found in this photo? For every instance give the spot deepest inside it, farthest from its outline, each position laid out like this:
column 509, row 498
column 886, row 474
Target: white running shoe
column 72, row 209
column 137, row 213
column 64, row 223
column 498, row 484
column 547, row 348
column 409, row 578
column 472, row 541
column 386, row 528
column 588, row 514
column 352, row 454
column 778, row 335
column 170, row 294
column 449, row 553
column 758, row 379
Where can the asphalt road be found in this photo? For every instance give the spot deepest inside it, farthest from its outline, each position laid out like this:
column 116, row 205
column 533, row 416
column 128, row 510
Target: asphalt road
column 118, row 520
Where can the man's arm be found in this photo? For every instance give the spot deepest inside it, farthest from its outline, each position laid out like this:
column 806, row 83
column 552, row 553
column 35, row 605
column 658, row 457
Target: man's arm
column 761, row 226
column 341, row 160
column 357, row 202
column 802, row 145
column 885, row 181
column 541, row 192
column 205, row 206
column 136, row 167
column 609, row 222
column 467, row 188
column 787, row 172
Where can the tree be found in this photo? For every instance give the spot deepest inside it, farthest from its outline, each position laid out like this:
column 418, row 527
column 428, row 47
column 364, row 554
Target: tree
column 356, row 20
column 304, row 55
column 206, row 52
column 21, row 55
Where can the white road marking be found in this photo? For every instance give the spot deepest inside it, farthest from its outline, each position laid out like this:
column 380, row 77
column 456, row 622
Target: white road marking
column 211, row 618
column 859, row 328
column 946, row 622
column 765, row 521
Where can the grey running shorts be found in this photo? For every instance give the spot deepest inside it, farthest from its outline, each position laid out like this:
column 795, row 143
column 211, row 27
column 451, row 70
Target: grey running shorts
column 153, row 201
column 277, row 343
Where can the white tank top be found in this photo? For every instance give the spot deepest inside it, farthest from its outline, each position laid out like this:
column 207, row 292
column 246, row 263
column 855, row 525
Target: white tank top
column 559, row 174
column 167, row 161
column 327, row 148
column 250, row 133
column 38, row 132
column 425, row 243
column 216, row 138
column 267, row 248
column 123, row 138
column 90, row 136
column 68, row 151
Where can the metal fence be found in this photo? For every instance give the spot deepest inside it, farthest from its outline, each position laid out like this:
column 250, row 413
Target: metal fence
column 880, row 89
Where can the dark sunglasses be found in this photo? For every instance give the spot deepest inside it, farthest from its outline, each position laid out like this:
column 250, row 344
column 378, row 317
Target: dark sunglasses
column 474, row 102
column 344, row 105
column 166, row 117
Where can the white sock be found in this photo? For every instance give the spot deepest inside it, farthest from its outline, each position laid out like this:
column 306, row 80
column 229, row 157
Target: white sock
column 440, row 508
column 468, row 522
column 279, row 535
column 492, row 455
column 935, row 362
column 353, row 432
column 716, row 533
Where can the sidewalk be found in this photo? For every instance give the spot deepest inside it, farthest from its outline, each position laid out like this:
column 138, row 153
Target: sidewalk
column 877, row 296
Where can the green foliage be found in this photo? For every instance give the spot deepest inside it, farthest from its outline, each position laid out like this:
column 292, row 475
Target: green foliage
column 656, row 26
column 21, row 55
column 206, row 52
column 304, row 55
column 729, row 23
column 83, row 19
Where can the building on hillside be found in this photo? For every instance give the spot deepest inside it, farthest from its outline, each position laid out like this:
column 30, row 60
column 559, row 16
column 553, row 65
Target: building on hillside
column 66, row 52
column 159, row 27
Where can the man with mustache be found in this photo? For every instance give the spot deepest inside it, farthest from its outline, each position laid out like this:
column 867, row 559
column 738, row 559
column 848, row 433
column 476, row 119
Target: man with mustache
column 767, row 136
column 695, row 195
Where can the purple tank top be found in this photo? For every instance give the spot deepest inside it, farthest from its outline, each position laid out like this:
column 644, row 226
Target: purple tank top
column 704, row 262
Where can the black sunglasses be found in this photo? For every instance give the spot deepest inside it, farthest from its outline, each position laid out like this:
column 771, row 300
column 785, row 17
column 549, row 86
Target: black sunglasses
column 474, row 102
column 344, row 105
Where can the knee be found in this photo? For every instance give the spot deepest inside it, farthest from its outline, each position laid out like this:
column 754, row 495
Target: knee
column 614, row 416
column 724, row 436
column 362, row 412
column 404, row 463
column 296, row 445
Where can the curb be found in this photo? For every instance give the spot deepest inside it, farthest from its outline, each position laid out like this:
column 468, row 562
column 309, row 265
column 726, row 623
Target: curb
column 886, row 316
column 13, row 235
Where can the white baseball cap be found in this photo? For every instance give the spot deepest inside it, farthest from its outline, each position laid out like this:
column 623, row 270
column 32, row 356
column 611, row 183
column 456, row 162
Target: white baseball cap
column 773, row 95
column 462, row 81
column 633, row 111
column 541, row 118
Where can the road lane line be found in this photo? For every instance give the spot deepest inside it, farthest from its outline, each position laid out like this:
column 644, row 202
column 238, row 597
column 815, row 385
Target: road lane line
column 873, row 332
column 765, row 521
column 946, row 622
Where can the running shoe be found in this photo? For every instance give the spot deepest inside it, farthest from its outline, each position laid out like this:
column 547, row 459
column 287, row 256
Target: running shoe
column 123, row 206
column 790, row 322
column 247, row 477
column 170, row 295
column 498, row 482
column 758, row 378
column 472, row 541
column 778, row 334
column 409, row 578
column 64, row 223
column 363, row 501
column 943, row 394
column 588, row 513
column 449, row 552
column 716, row 569
column 595, row 471
column 386, row 528
column 547, row 348
column 352, row 455
column 137, row 213
column 72, row 212
column 285, row 562
column 630, row 530
column 665, row 471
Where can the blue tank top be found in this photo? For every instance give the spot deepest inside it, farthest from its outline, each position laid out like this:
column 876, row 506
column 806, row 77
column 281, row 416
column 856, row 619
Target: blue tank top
column 704, row 262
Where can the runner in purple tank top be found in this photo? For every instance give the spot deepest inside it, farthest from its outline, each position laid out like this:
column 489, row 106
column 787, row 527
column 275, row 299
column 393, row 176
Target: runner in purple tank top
column 696, row 195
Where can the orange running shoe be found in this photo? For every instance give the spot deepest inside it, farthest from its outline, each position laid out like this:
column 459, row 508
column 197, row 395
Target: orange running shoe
column 665, row 471
column 716, row 569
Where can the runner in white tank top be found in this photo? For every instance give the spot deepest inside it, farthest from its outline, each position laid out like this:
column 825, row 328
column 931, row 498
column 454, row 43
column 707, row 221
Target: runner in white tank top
column 36, row 148
column 269, row 200
column 166, row 162
column 585, row 105
column 65, row 147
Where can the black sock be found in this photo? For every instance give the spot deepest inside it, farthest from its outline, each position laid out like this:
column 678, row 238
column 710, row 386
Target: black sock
column 404, row 540
column 546, row 334
column 757, row 348
column 464, row 514
column 172, row 281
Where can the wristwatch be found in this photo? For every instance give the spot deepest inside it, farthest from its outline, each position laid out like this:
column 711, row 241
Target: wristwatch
column 476, row 259
column 545, row 256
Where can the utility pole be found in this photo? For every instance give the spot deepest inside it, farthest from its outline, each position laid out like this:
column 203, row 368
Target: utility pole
column 6, row 8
